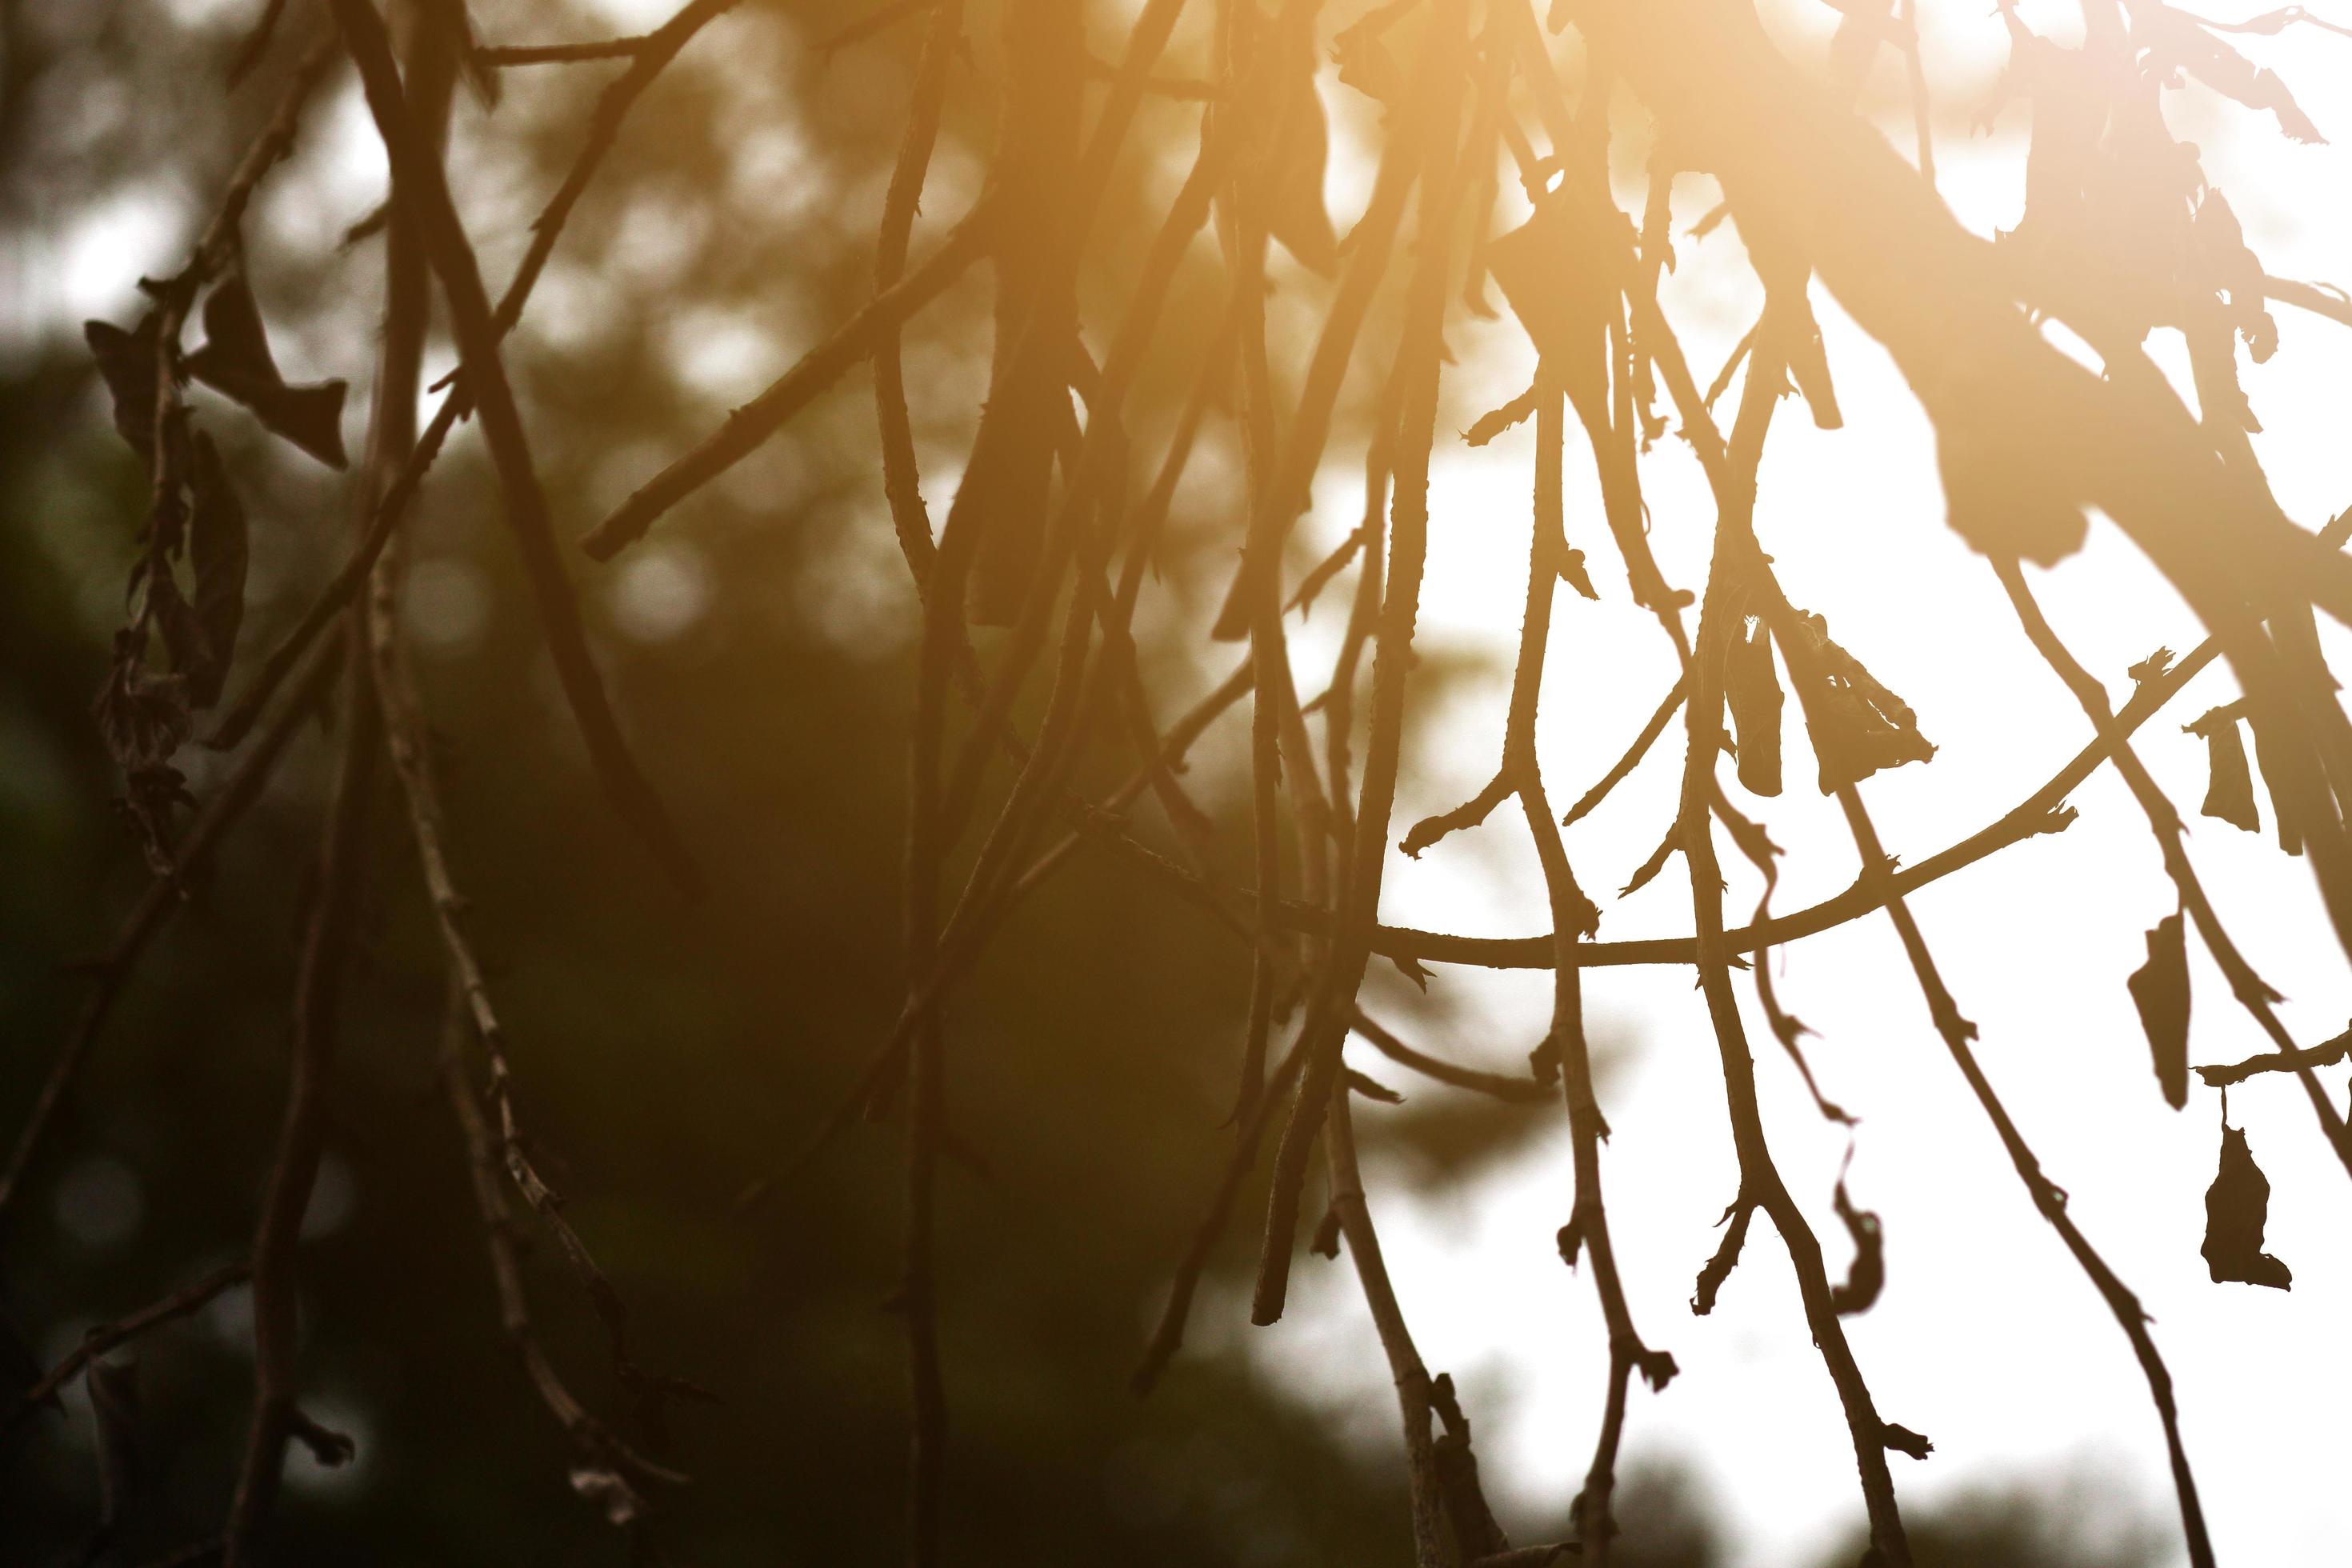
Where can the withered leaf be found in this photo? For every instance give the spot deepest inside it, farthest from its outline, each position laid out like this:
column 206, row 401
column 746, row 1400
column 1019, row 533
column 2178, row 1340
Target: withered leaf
column 184, row 641
column 1560, row 286
column 142, row 714
column 1573, row 573
column 2231, row 265
column 1326, row 1242
column 2282, row 813
column 1753, row 688
column 2232, row 74
column 1295, row 211
column 1867, row 1275
column 235, row 362
column 1363, row 57
column 2159, row 989
column 2229, row 795
column 217, row 549
column 126, row 363
column 1857, row 725
column 1543, row 1062
column 2237, row 1206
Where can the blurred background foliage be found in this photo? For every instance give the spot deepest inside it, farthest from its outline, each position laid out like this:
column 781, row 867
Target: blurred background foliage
column 760, row 650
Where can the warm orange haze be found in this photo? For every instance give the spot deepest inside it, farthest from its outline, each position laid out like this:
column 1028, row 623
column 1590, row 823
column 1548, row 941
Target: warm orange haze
column 1195, row 781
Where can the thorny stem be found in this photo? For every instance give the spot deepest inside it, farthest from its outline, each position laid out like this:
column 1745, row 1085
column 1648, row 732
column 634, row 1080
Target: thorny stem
column 1760, row 1180
column 1443, row 48
column 1405, row 1368
column 295, row 1166
column 1956, row 1032
column 189, row 1298
column 277, row 1417
column 658, row 48
column 419, row 184
column 1573, row 918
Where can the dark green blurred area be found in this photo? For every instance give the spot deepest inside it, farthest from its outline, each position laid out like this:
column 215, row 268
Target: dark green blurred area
column 760, row 654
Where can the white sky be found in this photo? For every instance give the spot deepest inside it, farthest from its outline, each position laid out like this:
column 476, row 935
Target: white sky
column 1986, row 1338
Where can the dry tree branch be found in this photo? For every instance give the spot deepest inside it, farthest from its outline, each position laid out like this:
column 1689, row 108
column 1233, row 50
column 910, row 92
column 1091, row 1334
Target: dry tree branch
column 193, row 1296
column 2298, row 1061
column 1434, row 120
column 603, row 1455
column 419, row 184
column 604, row 129
column 2252, row 993
column 1760, row 1185
column 164, row 895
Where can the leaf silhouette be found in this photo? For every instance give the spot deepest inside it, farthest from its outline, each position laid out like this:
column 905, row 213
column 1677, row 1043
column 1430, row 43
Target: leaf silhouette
column 2282, row 813
column 2232, row 268
column 1857, row 725
column 2232, row 74
column 1867, row 1275
column 126, row 363
column 2230, row 796
column 235, row 362
column 1560, row 286
column 1752, row 686
column 2159, row 989
column 1295, row 211
column 1363, row 57
column 217, row 549
column 2237, row 1206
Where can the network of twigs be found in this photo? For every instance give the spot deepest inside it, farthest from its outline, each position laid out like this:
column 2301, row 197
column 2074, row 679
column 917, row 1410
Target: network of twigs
column 1050, row 535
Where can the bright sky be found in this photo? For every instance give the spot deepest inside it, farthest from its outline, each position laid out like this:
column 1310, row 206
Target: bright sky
column 1986, row 1338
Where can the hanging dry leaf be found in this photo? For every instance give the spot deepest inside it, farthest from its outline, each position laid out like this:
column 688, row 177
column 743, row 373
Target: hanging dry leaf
column 1867, row 1275
column 235, row 362
column 2237, row 1208
column 1856, row 724
column 2159, row 989
column 2284, row 814
column 2229, row 795
column 2229, row 266
column 1752, row 689
column 126, row 363
column 2183, row 43
column 1363, row 54
column 1562, row 289
column 1295, row 211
